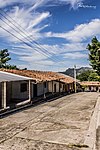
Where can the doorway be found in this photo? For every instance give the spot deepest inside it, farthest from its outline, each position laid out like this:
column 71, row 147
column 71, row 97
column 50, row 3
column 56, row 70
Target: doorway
column 54, row 88
column 35, row 90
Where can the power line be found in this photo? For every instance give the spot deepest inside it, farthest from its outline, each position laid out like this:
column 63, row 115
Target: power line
column 18, row 38
column 24, row 43
column 39, row 46
column 36, row 43
column 43, row 52
column 26, row 55
column 42, row 63
column 22, row 36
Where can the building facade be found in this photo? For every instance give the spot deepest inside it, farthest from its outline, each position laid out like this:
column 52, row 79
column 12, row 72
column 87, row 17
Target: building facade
column 13, row 89
column 18, row 86
column 90, row 86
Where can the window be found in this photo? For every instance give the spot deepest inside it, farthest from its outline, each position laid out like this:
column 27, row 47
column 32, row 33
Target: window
column 23, row 87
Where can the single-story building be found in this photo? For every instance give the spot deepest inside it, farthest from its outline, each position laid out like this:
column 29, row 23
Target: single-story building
column 52, row 82
column 91, row 86
column 44, row 82
column 13, row 89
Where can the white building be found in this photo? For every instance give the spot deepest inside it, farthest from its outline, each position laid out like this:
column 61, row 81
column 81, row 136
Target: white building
column 13, row 89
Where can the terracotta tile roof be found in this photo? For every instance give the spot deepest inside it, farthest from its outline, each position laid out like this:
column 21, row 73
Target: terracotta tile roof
column 40, row 76
column 90, row 83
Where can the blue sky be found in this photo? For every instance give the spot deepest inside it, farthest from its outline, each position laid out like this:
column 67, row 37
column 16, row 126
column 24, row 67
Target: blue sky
column 48, row 34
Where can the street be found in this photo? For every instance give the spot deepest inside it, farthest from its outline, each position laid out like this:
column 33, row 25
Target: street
column 61, row 124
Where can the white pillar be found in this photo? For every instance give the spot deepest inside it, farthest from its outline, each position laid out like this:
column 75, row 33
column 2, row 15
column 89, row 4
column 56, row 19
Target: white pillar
column 59, row 85
column 75, row 77
column 4, row 94
column 52, row 86
column 30, row 90
column 44, row 96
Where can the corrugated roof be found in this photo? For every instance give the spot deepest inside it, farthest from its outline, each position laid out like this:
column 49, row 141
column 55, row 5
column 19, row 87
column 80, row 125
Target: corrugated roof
column 5, row 76
column 40, row 76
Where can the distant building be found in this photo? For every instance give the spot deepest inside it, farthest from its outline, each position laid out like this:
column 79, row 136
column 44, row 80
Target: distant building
column 92, row 86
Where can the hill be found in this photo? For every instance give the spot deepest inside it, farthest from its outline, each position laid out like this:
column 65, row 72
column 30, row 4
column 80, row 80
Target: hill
column 70, row 71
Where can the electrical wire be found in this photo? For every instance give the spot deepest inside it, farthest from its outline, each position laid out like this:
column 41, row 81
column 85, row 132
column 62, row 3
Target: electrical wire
column 22, row 41
column 36, row 43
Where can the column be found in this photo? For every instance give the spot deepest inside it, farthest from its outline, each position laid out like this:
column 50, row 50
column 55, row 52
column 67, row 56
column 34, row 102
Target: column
column 44, row 87
column 52, row 86
column 59, row 86
column 4, row 94
column 75, row 78
column 30, row 90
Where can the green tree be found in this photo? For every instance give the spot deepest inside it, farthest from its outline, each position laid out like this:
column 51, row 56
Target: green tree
column 93, row 77
column 11, row 67
column 94, row 54
column 84, row 75
column 4, row 58
column 88, row 75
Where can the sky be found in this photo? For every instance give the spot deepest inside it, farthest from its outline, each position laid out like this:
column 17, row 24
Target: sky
column 50, row 35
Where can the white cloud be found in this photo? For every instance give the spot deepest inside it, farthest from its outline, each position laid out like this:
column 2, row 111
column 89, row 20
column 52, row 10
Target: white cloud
column 75, row 55
column 73, row 3
column 5, row 3
column 29, row 22
column 35, row 56
column 33, row 22
column 31, row 59
column 63, row 48
column 80, row 33
column 38, row 18
column 39, row 3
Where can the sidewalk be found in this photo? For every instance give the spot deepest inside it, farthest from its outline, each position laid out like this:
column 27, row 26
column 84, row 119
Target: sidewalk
column 98, row 130
column 91, row 139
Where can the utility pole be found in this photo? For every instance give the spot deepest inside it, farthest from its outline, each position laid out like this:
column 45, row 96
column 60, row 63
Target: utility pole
column 75, row 77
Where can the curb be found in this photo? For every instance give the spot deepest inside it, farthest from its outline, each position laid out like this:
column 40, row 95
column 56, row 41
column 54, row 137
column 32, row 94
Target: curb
column 90, row 138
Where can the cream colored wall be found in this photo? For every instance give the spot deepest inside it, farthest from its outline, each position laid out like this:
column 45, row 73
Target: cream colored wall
column 93, row 88
column 40, row 88
column 67, row 87
column 50, row 86
column 15, row 90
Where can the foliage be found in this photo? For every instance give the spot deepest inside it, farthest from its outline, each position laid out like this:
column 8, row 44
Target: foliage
column 84, row 75
column 94, row 54
column 93, row 77
column 88, row 76
column 11, row 67
column 4, row 57
column 24, row 69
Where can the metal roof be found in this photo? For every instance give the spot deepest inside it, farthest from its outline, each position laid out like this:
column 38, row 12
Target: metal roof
column 5, row 76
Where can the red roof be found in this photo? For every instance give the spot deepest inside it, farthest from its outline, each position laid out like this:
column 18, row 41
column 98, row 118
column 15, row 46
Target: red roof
column 90, row 83
column 39, row 76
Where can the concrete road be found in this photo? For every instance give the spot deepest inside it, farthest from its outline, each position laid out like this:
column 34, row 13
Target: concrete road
column 61, row 124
